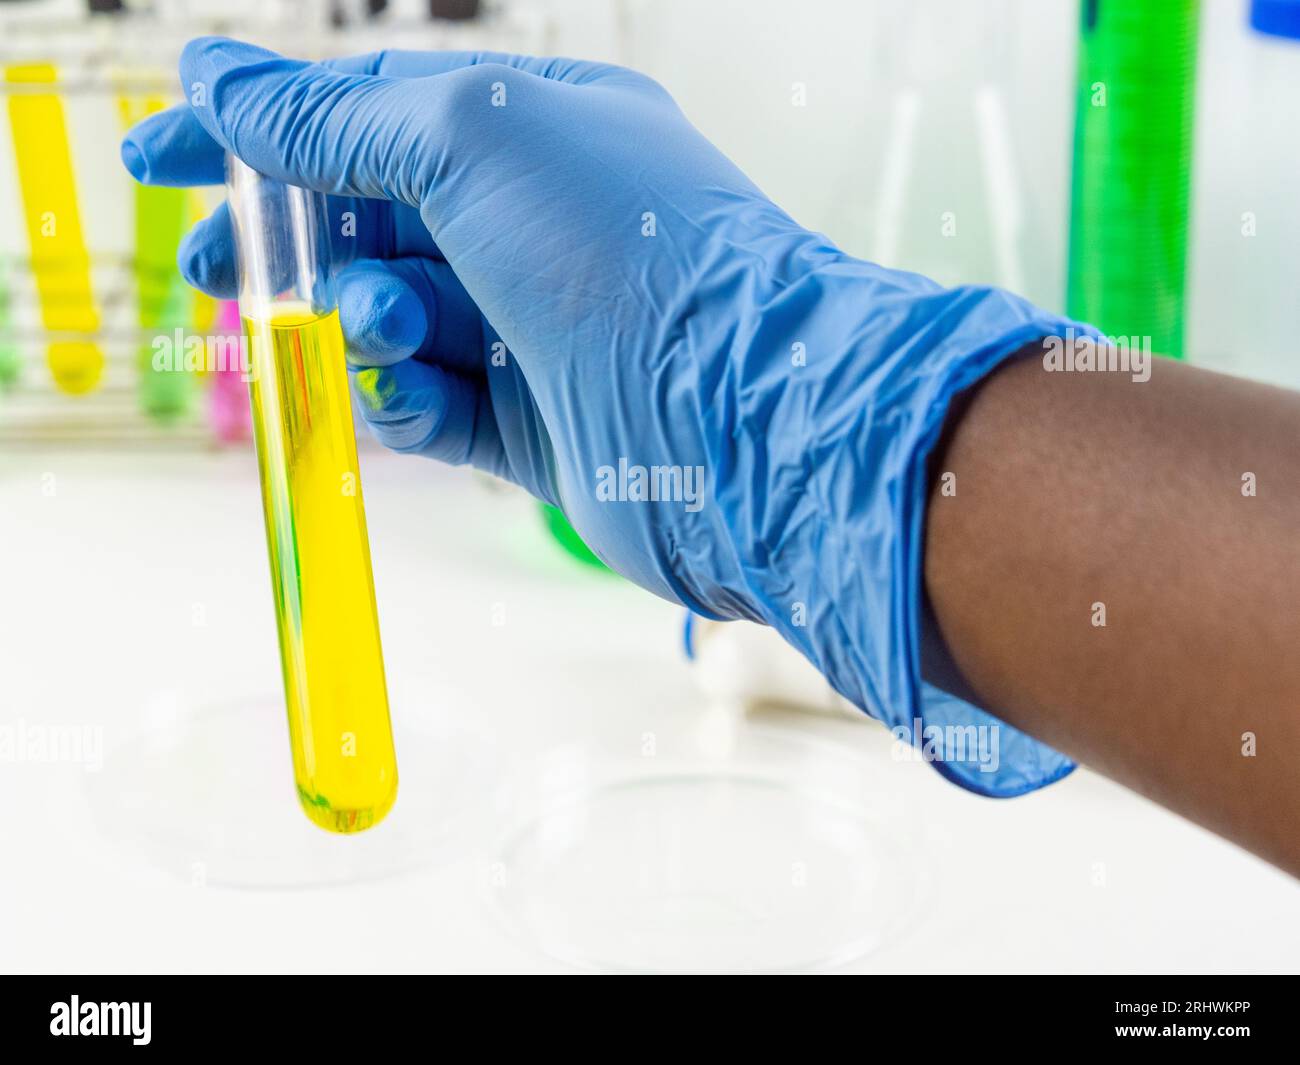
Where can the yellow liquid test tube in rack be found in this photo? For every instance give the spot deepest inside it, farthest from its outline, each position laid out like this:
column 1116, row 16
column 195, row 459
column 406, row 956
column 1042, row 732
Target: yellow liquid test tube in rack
column 60, row 260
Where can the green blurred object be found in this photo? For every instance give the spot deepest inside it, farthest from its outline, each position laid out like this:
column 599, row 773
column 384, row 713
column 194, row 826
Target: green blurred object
column 1132, row 168
column 568, row 539
column 10, row 358
column 164, row 300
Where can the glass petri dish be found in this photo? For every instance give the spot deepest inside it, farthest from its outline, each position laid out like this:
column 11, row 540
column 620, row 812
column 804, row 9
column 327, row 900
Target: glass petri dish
column 207, row 794
column 728, row 848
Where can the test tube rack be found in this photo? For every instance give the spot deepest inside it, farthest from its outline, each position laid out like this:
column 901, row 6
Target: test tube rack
column 130, row 50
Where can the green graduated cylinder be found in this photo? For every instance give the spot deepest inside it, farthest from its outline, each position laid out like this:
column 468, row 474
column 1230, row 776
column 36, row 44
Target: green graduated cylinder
column 1132, row 165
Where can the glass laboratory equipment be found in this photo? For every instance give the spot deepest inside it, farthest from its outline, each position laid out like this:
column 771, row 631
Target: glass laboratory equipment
column 1246, row 217
column 197, row 791
column 163, row 300
column 228, row 415
column 60, row 260
column 943, row 90
column 712, row 843
column 339, row 728
column 1132, row 168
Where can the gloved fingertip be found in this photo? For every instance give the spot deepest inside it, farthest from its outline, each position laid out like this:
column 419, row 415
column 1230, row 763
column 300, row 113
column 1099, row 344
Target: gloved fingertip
column 206, row 264
column 134, row 160
column 172, row 148
column 384, row 320
column 372, row 386
column 403, row 405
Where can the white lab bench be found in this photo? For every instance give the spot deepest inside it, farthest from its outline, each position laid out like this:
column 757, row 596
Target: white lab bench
column 135, row 596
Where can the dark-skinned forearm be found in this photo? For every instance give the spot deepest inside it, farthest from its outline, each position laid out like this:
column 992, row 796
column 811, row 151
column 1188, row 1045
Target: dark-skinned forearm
column 1074, row 489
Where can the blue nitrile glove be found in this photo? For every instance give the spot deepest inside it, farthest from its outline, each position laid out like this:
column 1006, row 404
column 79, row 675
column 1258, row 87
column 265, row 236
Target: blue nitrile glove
column 560, row 281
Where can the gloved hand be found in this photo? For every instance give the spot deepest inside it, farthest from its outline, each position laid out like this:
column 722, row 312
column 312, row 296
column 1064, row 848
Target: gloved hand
column 559, row 280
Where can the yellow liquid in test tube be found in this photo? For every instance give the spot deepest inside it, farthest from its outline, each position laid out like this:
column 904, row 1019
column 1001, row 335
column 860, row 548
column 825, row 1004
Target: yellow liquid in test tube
column 60, row 262
column 343, row 757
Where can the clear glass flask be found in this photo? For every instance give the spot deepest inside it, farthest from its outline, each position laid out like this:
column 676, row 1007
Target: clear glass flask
column 343, row 757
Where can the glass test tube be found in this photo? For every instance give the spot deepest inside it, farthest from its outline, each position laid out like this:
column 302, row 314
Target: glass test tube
column 343, row 757
column 163, row 301
column 60, row 261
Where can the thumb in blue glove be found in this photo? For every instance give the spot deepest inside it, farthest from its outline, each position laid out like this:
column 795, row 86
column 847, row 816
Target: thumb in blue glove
column 559, row 280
